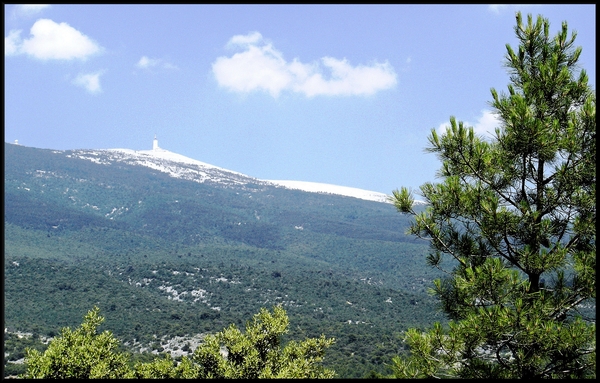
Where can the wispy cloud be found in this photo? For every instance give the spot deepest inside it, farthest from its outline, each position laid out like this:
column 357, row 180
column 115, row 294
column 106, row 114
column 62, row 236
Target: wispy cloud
column 485, row 126
column 12, row 43
column 245, row 40
column 89, row 81
column 51, row 41
column 498, row 8
column 29, row 9
column 146, row 63
column 261, row 67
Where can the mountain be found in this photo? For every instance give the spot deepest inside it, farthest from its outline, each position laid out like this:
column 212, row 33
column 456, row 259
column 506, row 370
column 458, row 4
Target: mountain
column 179, row 166
column 172, row 248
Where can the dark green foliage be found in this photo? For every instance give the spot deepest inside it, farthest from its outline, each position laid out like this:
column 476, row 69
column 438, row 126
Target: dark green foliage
column 51, row 295
column 518, row 215
column 139, row 244
column 84, row 353
column 259, row 353
column 15, row 346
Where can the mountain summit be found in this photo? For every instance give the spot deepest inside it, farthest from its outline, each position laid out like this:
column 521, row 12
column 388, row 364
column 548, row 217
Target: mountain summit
column 179, row 166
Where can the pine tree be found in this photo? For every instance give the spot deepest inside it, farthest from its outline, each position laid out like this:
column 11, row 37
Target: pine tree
column 515, row 216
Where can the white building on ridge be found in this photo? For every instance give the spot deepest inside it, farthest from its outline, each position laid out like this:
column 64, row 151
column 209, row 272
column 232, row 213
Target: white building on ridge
column 155, row 143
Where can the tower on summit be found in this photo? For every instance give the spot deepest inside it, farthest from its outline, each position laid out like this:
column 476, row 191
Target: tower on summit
column 155, row 143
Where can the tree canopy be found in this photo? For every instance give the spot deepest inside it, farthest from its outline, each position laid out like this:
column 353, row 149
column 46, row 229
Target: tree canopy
column 258, row 352
column 79, row 354
column 86, row 354
column 516, row 213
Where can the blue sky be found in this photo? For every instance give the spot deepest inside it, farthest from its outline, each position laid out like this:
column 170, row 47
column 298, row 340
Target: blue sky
column 338, row 94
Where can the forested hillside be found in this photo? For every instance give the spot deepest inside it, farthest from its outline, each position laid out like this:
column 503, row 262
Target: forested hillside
column 165, row 257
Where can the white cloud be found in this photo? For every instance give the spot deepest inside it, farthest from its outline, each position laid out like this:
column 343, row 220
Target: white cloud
column 347, row 80
column 12, row 43
column 245, row 40
column 52, row 41
column 496, row 7
column 30, row 9
column 261, row 67
column 89, row 81
column 145, row 63
column 485, row 126
column 256, row 68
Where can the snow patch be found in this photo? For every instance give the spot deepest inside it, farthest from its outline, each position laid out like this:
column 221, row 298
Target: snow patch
column 179, row 166
column 347, row 191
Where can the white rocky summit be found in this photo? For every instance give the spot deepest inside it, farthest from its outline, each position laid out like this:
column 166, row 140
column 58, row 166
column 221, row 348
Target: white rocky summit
column 179, row 166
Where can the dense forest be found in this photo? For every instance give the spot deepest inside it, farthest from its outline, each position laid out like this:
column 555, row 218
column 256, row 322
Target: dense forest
column 164, row 257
